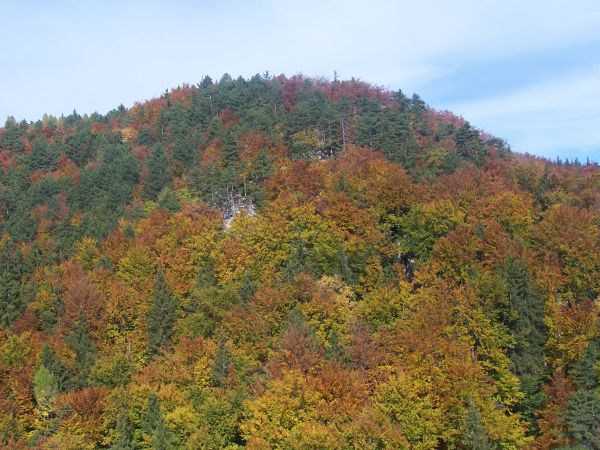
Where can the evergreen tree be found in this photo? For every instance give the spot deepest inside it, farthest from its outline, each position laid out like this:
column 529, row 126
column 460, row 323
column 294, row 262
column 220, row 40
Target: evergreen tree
column 263, row 168
column 335, row 351
column 168, row 200
column 582, row 418
column 11, row 272
column 144, row 137
column 468, row 143
column 44, row 386
column 184, row 151
column 159, row 173
column 369, row 126
column 162, row 314
column 524, row 317
column 55, row 366
column 474, row 436
column 123, row 442
column 222, row 362
column 587, row 368
column 85, row 350
column 400, row 144
column 154, row 425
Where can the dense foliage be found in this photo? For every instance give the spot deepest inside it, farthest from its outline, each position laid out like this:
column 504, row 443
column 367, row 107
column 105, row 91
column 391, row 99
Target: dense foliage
column 293, row 263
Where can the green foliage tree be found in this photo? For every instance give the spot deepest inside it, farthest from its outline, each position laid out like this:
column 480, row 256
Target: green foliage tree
column 474, row 435
column 56, row 367
column 159, row 172
column 85, row 350
column 124, row 441
column 12, row 269
column 154, row 425
column 161, row 315
column 45, row 390
column 168, row 200
column 222, row 363
column 524, row 317
column 582, row 418
column 469, row 144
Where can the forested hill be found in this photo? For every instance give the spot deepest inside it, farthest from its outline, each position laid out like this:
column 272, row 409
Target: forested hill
column 293, row 263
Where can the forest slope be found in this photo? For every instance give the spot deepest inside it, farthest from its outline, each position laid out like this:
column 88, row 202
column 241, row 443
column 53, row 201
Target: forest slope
column 293, row 263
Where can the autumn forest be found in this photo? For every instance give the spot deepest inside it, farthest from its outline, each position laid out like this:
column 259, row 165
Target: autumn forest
column 293, row 263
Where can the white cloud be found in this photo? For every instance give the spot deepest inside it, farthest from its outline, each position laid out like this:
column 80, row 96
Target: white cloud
column 94, row 55
column 561, row 114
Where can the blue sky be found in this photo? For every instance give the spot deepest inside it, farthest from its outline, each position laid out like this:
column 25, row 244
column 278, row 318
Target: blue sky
column 527, row 71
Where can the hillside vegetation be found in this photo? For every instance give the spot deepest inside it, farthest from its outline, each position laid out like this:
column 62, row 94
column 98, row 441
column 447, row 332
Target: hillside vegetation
column 293, row 263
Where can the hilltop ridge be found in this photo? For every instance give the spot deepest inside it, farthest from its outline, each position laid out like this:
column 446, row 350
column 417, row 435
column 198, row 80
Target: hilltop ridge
column 293, row 263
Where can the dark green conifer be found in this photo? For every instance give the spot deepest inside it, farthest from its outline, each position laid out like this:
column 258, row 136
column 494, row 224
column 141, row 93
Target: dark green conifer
column 85, row 350
column 162, row 314
column 159, row 173
column 474, row 436
column 123, row 442
column 222, row 362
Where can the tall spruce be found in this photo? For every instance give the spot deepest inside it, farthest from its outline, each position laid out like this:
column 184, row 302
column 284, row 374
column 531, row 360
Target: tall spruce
column 524, row 316
column 159, row 173
column 474, row 436
column 123, row 441
column 162, row 314
column 56, row 367
column 154, row 425
column 222, row 362
column 582, row 417
column 85, row 350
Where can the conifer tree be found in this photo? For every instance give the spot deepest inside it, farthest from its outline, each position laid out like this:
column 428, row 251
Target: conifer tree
column 168, row 200
column 155, row 426
column 582, row 417
column 222, row 362
column 474, row 436
column 162, row 314
column 85, row 350
column 525, row 319
column 11, row 272
column 124, row 440
column 159, row 174
column 55, row 366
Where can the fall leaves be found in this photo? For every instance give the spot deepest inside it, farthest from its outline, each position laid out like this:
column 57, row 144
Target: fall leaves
column 437, row 292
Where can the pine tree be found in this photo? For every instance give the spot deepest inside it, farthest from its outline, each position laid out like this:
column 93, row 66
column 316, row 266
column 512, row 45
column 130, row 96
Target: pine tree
column 582, row 418
column 587, row 368
column 85, row 350
column 159, row 173
column 468, row 143
column 524, row 317
column 335, row 351
column 474, row 436
column 222, row 363
column 11, row 272
column 154, row 425
column 162, row 314
column 161, row 438
column 53, row 363
column 263, row 168
column 400, row 144
column 168, row 200
column 124, row 440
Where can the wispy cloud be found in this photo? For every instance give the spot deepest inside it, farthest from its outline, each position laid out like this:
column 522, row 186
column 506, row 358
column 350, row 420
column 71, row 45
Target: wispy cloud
column 559, row 115
column 96, row 54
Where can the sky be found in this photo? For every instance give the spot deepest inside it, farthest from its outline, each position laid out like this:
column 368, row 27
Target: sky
column 527, row 71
